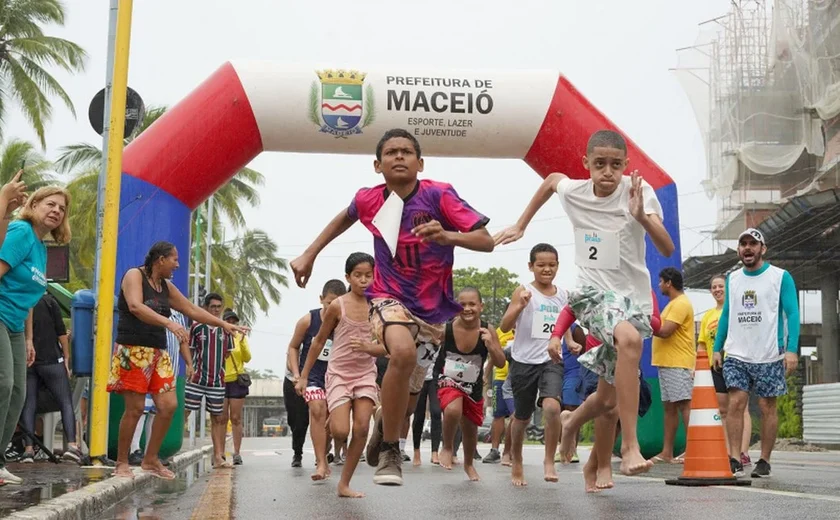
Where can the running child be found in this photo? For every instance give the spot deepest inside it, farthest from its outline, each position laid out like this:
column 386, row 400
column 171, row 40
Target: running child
column 467, row 343
column 502, row 398
column 536, row 380
column 351, row 375
column 411, row 294
column 611, row 213
column 315, row 393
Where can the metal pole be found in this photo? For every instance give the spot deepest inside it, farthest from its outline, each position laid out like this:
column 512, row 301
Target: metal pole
column 110, row 211
column 207, row 259
column 196, row 299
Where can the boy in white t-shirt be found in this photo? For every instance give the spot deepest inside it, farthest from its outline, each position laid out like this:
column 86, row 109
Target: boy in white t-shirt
column 611, row 213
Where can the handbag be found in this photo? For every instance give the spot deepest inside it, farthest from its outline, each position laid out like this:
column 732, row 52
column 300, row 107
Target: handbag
column 243, row 378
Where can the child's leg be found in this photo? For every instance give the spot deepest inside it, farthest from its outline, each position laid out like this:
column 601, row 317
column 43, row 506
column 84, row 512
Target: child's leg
column 340, row 423
column 603, row 400
column 606, row 423
column 469, row 432
column 452, row 414
column 318, row 433
column 506, row 450
column 362, row 410
column 628, row 342
column 551, row 416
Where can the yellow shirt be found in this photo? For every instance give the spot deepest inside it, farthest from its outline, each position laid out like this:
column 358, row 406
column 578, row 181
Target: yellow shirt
column 708, row 331
column 241, row 354
column 678, row 350
column 500, row 374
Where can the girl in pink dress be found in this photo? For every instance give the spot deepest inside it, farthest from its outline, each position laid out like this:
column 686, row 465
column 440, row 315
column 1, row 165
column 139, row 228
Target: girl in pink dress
column 351, row 373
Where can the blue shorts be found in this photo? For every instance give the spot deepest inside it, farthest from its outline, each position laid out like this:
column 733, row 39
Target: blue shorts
column 501, row 407
column 317, row 376
column 762, row 379
column 572, row 386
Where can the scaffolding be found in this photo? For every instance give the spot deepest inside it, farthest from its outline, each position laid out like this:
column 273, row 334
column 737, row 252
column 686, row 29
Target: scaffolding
column 760, row 79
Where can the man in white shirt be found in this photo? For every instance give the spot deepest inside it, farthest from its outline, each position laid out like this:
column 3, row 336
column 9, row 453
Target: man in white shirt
column 611, row 213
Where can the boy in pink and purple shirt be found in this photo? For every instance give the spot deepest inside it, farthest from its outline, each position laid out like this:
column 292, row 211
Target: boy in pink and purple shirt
column 411, row 295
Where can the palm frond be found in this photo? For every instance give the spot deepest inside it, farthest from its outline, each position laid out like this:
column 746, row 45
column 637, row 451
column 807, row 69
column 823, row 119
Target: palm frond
column 79, row 156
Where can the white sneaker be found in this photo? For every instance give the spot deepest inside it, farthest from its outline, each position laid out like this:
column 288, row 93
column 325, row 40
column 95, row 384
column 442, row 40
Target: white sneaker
column 8, row 478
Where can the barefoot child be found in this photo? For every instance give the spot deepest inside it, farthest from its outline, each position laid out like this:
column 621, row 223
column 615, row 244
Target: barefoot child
column 411, row 294
column 315, row 393
column 536, row 380
column 611, row 213
column 467, row 343
column 351, row 375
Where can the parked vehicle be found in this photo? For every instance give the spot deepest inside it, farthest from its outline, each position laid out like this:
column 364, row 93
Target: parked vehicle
column 272, row 427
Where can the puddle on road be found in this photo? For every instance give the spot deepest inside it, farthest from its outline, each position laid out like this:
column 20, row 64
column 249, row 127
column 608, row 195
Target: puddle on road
column 151, row 501
column 43, row 481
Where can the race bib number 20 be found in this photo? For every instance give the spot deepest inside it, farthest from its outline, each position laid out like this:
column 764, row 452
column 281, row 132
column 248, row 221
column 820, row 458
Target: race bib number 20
column 597, row 249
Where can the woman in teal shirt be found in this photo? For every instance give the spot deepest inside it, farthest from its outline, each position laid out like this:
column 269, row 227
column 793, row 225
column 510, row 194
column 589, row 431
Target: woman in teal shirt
column 23, row 280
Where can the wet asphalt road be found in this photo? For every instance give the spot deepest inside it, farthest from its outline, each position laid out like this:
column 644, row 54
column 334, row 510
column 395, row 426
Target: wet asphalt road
column 803, row 486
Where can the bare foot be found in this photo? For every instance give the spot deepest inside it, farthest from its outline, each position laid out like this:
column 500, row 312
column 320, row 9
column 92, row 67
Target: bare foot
column 455, row 461
column 122, row 469
column 435, row 458
column 321, row 472
column 506, row 459
column 605, row 480
column 472, row 474
column 590, row 476
column 632, row 463
column 567, row 441
column 550, row 471
column 517, row 475
column 446, row 459
column 344, row 491
column 417, row 460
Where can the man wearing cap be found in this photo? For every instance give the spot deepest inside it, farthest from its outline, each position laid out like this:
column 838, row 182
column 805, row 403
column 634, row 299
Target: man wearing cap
column 759, row 299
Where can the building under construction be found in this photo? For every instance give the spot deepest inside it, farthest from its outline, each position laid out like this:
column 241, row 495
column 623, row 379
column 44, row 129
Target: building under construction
column 764, row 81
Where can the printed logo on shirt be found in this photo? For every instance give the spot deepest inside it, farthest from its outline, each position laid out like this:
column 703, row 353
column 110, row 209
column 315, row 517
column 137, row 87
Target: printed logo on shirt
column 38, row 276
column 749, row 300
column 421, row 217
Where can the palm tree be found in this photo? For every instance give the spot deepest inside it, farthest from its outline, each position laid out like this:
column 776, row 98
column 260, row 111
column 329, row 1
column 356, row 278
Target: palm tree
column 14, row 154
column 25, row 50
column 249, row 273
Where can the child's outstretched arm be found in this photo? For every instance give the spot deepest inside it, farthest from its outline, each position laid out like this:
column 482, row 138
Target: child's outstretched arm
column 302, row 265
column 544, row 192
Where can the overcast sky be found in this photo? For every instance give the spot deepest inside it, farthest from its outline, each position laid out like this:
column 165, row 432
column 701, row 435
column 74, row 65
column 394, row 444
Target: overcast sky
column 617, row 53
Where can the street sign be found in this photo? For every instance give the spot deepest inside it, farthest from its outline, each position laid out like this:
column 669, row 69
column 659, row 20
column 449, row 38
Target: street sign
column 135, row 110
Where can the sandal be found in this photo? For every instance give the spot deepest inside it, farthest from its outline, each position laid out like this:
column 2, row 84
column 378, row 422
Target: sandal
column 161, row 473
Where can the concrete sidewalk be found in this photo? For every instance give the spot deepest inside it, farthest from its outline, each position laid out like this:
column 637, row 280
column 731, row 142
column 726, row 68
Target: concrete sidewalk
column 67, row 491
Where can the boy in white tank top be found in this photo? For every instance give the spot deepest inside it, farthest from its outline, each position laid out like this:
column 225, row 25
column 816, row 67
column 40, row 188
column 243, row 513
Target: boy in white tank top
column 611, row 214
column 535, row 379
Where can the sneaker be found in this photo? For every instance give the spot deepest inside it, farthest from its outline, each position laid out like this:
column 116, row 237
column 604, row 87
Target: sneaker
column 373, row 446
column 28, row 457
column 405, row 456
column 745, row 459
column 237, row 459
column 9, row 478
column 331, row 458
column 476, row 455
column 72, row 455
column 340, row 460
column 135, row 458
column 12, row 455
column 297, row 461
column 762, row 469
column 736, row 467
column 389, row 470
column 494, row 457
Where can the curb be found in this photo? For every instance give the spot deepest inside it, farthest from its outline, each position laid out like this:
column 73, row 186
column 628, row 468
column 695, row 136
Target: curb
column 95, row 498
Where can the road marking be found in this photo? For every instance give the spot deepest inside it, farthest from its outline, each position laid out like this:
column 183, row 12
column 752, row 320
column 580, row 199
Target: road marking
column 811, row 496
column 216, row 501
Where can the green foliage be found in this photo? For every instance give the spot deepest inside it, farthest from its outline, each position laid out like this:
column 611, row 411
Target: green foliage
column 790, row 421
column 24, row 52
column 496, row 285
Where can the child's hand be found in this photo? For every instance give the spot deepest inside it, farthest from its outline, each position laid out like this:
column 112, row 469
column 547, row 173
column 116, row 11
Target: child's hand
column 190, row 372
column 300, row 387
column 367, row 347
column 555, row 349
column 486, row 335
column 575, row 347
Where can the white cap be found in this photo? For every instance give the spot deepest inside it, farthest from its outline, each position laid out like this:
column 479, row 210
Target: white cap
column 756, row 234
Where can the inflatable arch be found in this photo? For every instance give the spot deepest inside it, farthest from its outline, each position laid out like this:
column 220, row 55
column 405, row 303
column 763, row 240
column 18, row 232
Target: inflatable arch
column 245, row 108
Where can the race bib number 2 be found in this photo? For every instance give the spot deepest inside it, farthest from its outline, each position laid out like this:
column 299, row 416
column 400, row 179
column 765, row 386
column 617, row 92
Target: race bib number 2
column 597, row 249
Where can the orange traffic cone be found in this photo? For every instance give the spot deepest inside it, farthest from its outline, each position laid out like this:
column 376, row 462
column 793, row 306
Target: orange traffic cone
column 706, row 460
